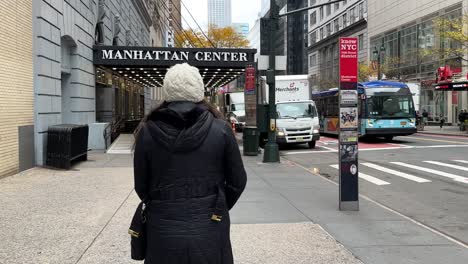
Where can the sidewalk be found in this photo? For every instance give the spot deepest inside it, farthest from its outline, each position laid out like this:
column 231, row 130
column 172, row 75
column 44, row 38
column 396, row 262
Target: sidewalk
column 446, row 131
column 286, row 215
column 82, row 216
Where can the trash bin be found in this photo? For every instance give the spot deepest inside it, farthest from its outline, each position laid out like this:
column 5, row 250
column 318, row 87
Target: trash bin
column 250, row 141
column 66, row 143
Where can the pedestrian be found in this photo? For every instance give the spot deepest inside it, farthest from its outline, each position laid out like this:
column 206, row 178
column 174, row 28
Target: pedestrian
column 189, row 172
column 425, row 115
column 441, row 120
column 461, row 119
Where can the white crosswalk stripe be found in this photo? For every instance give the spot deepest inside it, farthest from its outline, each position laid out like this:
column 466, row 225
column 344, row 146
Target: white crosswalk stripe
column 457, row 178
column 366, row 177
column 396, row 173
column 447, row 165
column 462, row 161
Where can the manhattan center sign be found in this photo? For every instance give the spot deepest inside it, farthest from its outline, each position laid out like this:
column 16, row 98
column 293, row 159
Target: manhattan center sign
column 152, row 56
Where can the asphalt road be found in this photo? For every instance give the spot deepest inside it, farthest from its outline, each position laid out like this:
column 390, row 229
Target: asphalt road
column 424, row 177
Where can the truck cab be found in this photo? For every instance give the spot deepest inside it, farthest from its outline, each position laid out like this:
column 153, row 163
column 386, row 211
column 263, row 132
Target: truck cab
column 297, row 122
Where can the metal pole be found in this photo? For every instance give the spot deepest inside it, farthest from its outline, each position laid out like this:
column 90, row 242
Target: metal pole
column 271, row 153
column 378, row 66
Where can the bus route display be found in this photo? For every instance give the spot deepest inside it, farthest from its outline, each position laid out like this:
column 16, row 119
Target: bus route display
column 348, row 125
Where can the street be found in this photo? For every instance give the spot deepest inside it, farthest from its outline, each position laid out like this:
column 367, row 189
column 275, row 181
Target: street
column 424, row 177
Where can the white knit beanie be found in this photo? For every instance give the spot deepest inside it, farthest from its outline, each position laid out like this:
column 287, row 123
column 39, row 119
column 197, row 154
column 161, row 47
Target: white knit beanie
column 183, row 83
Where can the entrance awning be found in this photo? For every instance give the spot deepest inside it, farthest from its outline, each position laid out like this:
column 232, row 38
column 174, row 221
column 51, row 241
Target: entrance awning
column 452, row 86
column 148, row 65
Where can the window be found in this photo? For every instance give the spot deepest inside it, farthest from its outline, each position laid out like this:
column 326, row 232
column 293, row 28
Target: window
column 312, row 2
column 312, row 60
column 313, row 18
column 313, row 37
column 352, row 16
column 337, row 6
column 328, row 10
column 345, row 20
column 328, row 28
column 361, row 42
column 361, row 11
column 321, row 33
column 336, row 25
column 321, row 13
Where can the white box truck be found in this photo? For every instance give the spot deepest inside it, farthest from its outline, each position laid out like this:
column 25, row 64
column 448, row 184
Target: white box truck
column 296, row 118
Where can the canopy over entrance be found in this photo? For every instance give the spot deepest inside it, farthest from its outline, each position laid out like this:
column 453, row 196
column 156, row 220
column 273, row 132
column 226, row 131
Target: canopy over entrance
column 460, row 85
column 148, row 65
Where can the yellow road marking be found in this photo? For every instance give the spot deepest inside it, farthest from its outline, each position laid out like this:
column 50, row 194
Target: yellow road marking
column 438, row 140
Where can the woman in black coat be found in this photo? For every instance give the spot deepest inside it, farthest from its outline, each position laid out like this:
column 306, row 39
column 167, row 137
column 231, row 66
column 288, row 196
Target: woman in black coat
column 188, row 165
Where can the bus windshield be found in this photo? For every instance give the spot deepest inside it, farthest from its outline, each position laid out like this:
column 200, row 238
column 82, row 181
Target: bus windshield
column 390, row 106
column 296, row 110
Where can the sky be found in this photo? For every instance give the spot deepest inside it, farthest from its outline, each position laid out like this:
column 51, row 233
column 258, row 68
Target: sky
column 243, row 11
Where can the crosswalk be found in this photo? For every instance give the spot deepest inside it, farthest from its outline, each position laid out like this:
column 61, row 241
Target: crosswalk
column 410, row 169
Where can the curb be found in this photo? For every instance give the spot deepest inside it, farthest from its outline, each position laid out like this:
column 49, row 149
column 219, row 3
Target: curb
column 442, row 134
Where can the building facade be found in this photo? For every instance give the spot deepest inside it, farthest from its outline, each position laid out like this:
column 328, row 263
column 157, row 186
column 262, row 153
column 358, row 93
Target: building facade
column 296, row 37
column 68, row 88
column 242, row 28
column 158, row 29
column 406, row 31
column 16, row 82
column 219, row 13
column 175, row 14
column 326, row 25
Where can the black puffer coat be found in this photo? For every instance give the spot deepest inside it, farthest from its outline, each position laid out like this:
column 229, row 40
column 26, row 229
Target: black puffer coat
column 189, row 163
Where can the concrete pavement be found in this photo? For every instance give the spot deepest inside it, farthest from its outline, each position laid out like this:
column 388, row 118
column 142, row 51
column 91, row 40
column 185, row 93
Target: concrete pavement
column 286, row 215
column 82, row 216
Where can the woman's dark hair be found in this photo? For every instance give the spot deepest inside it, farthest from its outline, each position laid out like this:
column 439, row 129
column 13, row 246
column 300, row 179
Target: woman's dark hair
column 211, row 108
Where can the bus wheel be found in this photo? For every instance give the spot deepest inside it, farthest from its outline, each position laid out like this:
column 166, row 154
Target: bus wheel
column 312, row 144
column 388, row 138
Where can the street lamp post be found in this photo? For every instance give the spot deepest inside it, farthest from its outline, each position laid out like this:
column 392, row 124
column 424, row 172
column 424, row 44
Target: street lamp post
column 377, row 57
column 271, row 153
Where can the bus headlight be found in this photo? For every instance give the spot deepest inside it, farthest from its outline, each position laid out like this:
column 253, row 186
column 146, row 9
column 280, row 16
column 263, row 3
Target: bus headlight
column 412, row 120
column 280, row 132
column 370, row 123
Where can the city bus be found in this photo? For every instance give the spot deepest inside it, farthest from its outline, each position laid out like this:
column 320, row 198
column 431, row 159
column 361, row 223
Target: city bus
column 385, row 109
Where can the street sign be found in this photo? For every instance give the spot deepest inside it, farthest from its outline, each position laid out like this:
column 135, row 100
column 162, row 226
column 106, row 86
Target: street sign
column 250, row 80
column 348, row 153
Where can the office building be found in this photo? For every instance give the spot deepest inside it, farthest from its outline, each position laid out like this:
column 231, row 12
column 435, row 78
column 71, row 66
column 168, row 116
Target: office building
column 405, row 31
column 290, row 38
column 219, row 13
column 16, row 92
column 296, row 37
column 326, row 25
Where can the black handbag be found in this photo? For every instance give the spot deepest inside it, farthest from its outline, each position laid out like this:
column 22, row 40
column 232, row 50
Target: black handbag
column 137, row 233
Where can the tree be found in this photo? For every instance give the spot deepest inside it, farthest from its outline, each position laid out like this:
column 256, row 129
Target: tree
column 365, row 72
column 453, row 34
column 226, row 37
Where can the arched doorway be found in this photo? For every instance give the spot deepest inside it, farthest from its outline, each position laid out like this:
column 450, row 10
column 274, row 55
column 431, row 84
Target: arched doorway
column 68, row 48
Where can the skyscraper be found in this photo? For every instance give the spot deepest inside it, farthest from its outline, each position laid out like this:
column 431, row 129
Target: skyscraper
column 219, row 13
